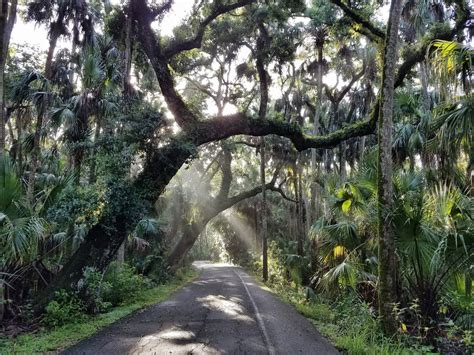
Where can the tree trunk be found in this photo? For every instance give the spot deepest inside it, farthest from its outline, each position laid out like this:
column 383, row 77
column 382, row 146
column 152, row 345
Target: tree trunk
column 2, row 107
column 121, row 253
column 424, row 86
column 191, row 233
column 425, row 156
column 264, row 230
column 388, row 259
column 468, row 273
column 97, row 250
column 208, row 210
column 36, row 150
column 78, row 151
column 102, row 242
column 262, row 43
column 3, row 290
column 342, row 160
column 362, row 148
column 53, row 40
column 315, row 167
column 301, row 213
column 92, row 172
column 35, row 154
column 128, row 52
column 7, row 20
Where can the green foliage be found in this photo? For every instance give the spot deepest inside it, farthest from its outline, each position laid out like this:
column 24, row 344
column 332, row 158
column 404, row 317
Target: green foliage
column 322, row 13
column 65, row 308
column 448, row 59
column 111, row 127
column 297, row 266
column 348, row 322
column 118, row 285
column 82, row 205
column 453, row 123
column 67, row 335
column 93, row 289
column 124, row 284
column 22, row 225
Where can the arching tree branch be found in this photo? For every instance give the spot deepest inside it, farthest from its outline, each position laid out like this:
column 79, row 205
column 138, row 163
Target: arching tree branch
column 195, row 42
column 374, row 32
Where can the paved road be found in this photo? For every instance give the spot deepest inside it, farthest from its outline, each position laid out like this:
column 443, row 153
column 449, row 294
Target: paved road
column 222, row 312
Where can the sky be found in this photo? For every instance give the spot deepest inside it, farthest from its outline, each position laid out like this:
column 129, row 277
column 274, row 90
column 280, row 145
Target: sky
column 35, row 35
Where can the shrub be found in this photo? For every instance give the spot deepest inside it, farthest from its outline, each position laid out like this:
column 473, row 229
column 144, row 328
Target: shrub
column 124, row 283
column 93, row 289
column 64, row 308
column 155, row 268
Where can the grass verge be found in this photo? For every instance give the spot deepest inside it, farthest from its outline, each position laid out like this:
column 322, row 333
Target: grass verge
column 62, row 337
column 348, row 323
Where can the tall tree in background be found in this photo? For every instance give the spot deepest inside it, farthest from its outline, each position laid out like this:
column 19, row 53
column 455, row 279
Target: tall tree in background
column 388, row 259
column 322, row 14
column 262, row 44
column 7, row 20
column 57, row 16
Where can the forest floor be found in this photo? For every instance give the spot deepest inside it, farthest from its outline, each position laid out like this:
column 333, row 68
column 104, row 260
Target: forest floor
column 222, row 311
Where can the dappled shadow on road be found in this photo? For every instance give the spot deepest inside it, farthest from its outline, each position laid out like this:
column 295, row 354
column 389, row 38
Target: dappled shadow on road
column 215, row 314
column 211, row 315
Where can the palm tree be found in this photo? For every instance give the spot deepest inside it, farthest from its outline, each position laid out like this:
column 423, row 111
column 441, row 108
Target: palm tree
column 452, row 63
column 433, row 228
column 20, row 229
column 100, row 76
column 34, row 88
column 57, row 15
column 453, row 124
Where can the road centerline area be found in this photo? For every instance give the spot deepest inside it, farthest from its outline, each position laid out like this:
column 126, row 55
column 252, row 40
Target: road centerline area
column 221, row 312
column 260, row 321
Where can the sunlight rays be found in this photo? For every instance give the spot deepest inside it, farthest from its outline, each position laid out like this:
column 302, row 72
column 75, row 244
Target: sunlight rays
column 242, row 230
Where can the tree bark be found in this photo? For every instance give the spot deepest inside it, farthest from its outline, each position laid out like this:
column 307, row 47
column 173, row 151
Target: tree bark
column 93, row 159
column 424, row 86
column 102, row 242
column 262, row 43
column 35, row 153
column 7, row 20
column 315, row 168
column 53, row 40
column 299, row 209
column 263, row 229
column 121, row 253
column 2, row 108
column 127, row 89
column 425, row 157
column 387, row 255
column 36, row 149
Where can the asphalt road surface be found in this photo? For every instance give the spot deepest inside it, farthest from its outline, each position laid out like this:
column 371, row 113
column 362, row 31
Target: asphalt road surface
column 222, row 312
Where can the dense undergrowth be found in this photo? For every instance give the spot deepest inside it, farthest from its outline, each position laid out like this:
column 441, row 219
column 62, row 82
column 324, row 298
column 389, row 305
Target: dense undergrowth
column 351, row 325
column 71, row 317
column 350, row 321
